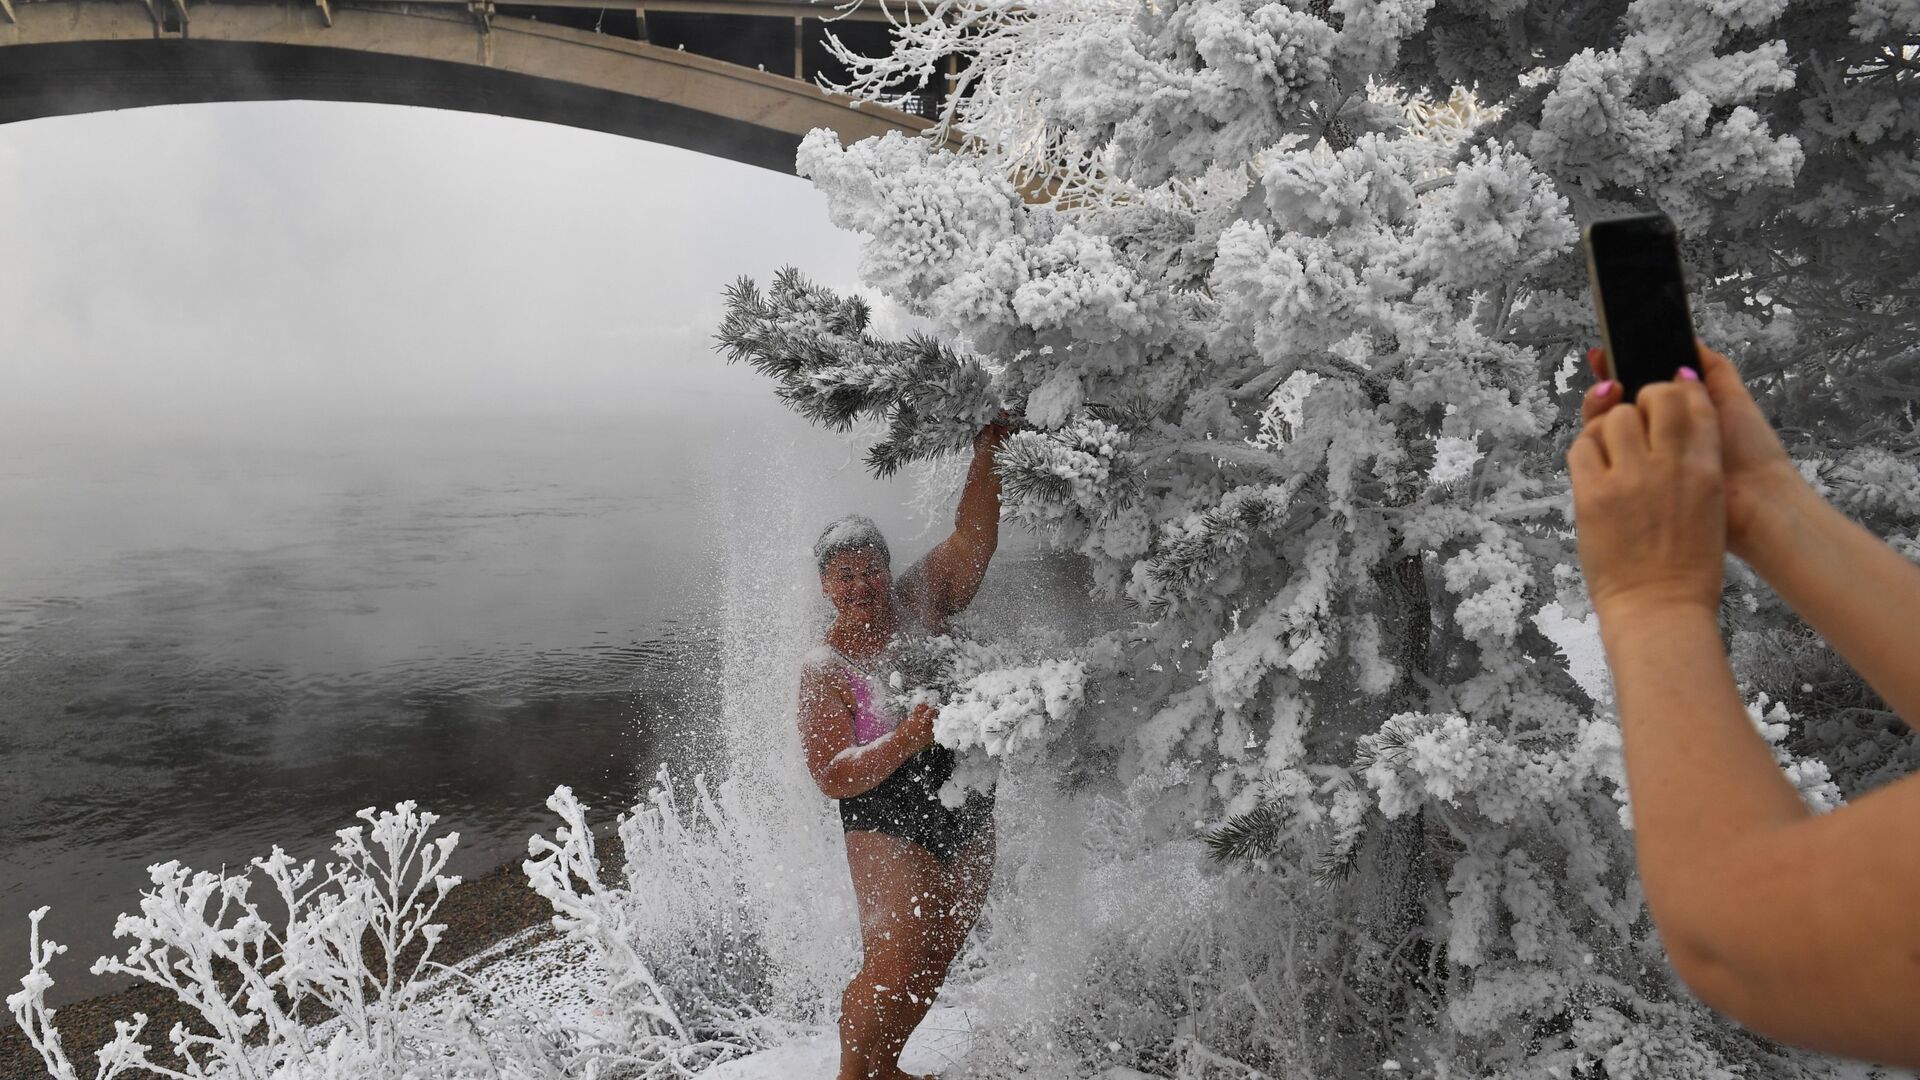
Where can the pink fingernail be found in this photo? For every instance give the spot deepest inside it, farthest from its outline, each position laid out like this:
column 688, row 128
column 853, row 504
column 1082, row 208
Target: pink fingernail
column 1689, row 374
column 1603, row 388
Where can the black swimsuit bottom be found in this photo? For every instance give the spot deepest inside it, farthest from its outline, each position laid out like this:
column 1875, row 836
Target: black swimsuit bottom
column 907, row 805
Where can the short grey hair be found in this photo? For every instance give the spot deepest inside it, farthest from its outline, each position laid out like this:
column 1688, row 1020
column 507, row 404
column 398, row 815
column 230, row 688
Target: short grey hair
column 855, row 532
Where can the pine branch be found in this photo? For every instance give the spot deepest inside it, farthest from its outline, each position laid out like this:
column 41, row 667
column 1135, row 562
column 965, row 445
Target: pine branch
column 814, row 344
column 1025, row 475
column 1085, row 466
column 1335, row 864
column 1394, row 738
column 1185, row 563
column 1249, row 836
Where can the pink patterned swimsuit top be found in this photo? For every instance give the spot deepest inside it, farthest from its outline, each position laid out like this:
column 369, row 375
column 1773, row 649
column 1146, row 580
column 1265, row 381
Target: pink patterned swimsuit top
column 872, row 718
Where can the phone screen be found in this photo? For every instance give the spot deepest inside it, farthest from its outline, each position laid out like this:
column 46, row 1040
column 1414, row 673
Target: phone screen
column 1641, row 295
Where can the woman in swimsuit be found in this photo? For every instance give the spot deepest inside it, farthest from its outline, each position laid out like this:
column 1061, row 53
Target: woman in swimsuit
column 920, row 870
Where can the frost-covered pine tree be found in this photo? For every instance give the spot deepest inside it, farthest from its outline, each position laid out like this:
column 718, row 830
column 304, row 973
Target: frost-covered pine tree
column 1287, row 299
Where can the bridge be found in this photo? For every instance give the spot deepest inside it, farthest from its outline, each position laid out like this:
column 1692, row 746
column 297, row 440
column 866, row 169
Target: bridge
column 732, row 78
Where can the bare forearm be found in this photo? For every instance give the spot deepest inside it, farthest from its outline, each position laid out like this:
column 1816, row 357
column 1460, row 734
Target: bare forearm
column 1791, row 923
column 1771, row 915
column 1701, row 777
column 859, row 769
column 1811, row 940
column 1860, row 594
column 951, row 573
column 1702, row 780
column 978, row 517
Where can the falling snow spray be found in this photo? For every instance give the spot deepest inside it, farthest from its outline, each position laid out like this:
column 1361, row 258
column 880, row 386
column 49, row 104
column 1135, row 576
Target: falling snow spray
column 770, row 614
column 1084, row 887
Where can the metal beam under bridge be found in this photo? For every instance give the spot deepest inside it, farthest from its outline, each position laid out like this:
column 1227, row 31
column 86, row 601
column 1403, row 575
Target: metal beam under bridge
column 714, row 76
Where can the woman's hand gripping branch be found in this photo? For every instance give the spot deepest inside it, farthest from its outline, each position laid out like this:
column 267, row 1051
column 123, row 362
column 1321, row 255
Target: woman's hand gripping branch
column 1792, row 924
column 944, row 582
column 840, row 767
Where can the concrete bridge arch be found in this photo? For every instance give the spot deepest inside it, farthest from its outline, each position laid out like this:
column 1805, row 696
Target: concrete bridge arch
column 731, row 78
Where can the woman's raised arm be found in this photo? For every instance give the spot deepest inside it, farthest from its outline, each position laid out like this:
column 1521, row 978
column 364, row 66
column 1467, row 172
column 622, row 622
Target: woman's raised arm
column 1860, row 594
column 946, row 580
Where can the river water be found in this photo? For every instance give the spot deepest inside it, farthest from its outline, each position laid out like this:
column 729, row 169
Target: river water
column 214, row 642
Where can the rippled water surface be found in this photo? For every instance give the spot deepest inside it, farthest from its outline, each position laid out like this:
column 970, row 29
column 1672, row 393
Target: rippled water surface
column 212, row 644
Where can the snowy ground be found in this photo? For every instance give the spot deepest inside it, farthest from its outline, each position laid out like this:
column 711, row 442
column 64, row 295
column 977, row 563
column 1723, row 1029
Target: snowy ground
column 940, row 1043
column 545, row 975
column 538, row 973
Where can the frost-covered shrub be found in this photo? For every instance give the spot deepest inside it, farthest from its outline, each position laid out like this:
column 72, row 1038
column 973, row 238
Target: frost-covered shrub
column 1114, row 940
column 351, row 942
column 718, row 937
column 1292, row 325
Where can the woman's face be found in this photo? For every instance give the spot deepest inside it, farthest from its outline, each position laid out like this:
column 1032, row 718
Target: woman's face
column 858, row 582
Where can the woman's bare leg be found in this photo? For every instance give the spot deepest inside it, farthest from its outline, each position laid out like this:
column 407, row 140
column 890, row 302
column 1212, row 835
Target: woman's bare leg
column 901, row 890
column 958, row 896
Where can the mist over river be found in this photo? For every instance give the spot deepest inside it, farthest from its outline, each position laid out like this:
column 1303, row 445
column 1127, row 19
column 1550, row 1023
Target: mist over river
column 214, row 641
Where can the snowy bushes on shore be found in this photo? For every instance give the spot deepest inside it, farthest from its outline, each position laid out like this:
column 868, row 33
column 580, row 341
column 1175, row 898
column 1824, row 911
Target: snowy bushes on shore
column 337, row 984
column 716, row 937
column 719, row 937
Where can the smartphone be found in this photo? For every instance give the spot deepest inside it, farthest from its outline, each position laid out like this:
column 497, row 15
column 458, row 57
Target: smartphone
column 1640, row 294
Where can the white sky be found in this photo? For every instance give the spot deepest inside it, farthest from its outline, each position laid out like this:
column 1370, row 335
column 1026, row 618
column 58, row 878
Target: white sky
column 306, row 258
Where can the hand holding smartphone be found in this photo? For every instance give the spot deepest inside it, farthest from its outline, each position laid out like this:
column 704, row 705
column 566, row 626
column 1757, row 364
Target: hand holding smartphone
column 1640, row 294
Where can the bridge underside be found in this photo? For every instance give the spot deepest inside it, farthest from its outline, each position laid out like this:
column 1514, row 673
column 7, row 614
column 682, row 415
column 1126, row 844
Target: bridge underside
column 713, row 81
column 70, row 78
